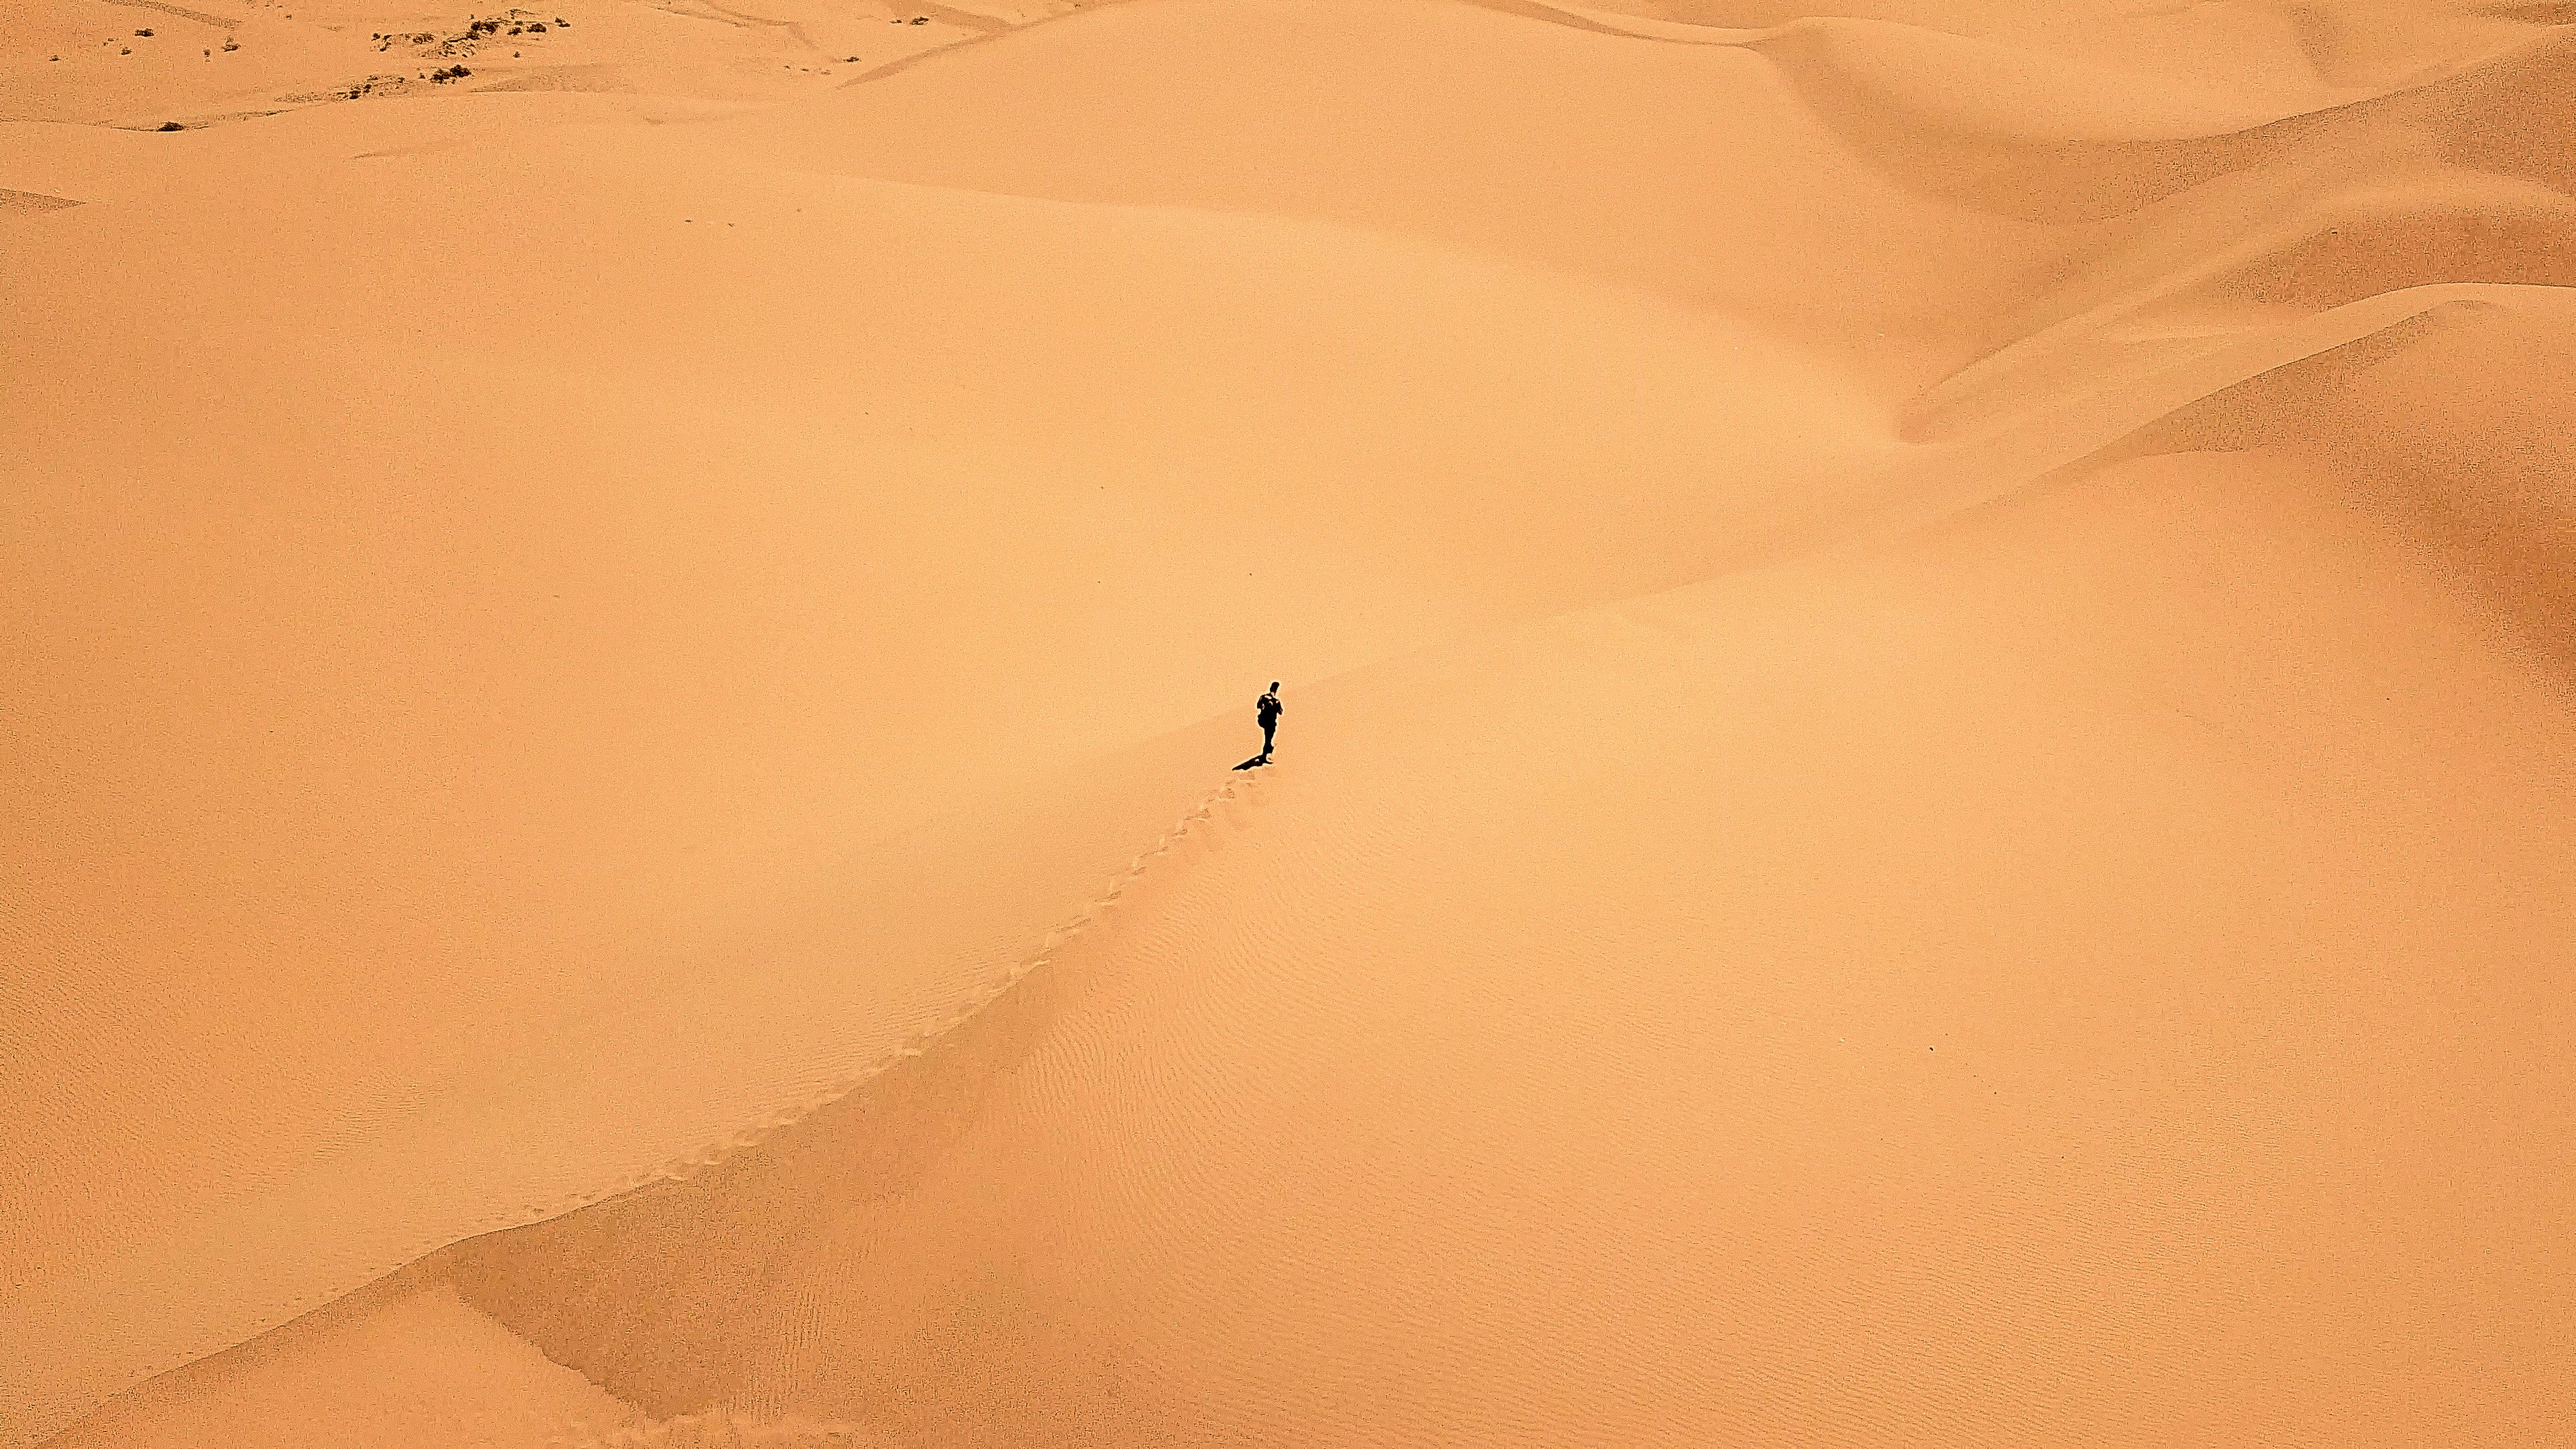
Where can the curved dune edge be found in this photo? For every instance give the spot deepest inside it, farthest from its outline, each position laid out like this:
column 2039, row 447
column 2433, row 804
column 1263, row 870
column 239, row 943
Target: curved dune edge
column 1994, row 457
column 2003, row 454
column 385, row 1307
column 364, row 1295
column 1239, row 793
column 907, row 1108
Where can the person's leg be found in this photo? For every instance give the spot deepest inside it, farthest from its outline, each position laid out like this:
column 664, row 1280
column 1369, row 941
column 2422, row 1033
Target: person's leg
column 1269, row 732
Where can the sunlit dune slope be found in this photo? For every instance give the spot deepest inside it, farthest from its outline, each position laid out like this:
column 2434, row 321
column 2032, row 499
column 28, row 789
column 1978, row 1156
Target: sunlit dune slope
column 457, row 658
column 2062, row 974
column 2066, row 981
column 1926, row 795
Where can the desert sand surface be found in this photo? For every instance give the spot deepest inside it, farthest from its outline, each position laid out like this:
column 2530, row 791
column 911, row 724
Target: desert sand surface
column 1928, row 797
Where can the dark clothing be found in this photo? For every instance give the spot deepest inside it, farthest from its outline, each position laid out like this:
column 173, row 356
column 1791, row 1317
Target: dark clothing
column 1269, row 711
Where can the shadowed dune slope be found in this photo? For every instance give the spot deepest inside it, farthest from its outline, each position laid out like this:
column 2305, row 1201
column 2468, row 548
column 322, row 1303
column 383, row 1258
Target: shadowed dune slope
column 1927, row 793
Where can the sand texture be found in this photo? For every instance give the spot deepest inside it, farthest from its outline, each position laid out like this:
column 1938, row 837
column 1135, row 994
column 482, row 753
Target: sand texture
column 1928, row 797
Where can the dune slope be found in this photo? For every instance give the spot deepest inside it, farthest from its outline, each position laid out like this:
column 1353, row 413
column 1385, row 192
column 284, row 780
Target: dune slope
column 1807, row 1049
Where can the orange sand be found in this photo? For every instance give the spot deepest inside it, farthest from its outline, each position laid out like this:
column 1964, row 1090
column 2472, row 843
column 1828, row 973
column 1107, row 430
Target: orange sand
column 1929, row 791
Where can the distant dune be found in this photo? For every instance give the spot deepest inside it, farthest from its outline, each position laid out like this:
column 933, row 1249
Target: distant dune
column 1928, row 796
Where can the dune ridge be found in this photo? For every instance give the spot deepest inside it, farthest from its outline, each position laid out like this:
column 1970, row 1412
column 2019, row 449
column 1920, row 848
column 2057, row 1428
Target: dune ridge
column 685, row 1244
column 1223, row 809
column 1239, row 790
column 1020, row 1082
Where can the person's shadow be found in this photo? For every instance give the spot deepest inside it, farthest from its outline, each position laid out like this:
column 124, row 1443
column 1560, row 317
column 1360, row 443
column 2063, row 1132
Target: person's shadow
column 1254, row 762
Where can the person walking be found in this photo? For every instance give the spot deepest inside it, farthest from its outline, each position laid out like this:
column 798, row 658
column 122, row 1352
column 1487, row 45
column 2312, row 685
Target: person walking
column 1268, row 710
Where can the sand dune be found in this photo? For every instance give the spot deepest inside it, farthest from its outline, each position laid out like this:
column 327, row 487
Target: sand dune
column 1200, row 1186
column 1927, row 796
